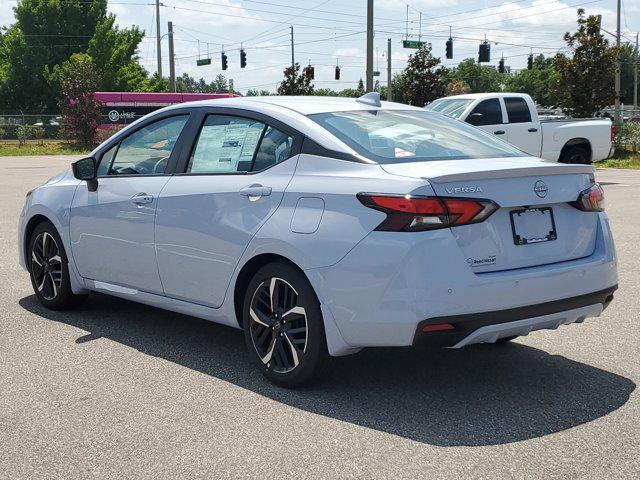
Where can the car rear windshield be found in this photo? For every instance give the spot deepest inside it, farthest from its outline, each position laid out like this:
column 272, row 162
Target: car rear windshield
column 401, row 136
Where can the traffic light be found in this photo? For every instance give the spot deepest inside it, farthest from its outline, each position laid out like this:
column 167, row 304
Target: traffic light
column 225, row 64
column 450, row 48
column 243, row 58
column 310, row 71
column 337, row 75
column 484, row 52
column 501, row 65
column 530, row 62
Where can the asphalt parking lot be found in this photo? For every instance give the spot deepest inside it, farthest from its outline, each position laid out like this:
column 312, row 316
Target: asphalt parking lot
column 115, row 389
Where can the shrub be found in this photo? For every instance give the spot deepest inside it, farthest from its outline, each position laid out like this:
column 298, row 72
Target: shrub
column 29, row 132
column 628, row 136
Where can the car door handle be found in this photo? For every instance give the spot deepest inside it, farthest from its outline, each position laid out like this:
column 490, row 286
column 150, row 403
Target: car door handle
column 533, row 130
column 142, row 199
column 255, row 191
column 499, row 132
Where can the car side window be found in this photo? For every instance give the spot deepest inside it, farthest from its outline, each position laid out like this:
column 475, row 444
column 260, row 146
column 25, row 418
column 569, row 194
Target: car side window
column 487, row 112
column 147, row 151
column 275, row 147
column 517, row 110
column 226, row 144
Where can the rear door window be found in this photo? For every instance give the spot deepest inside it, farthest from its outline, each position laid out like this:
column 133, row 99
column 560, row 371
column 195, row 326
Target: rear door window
column 517, row 110
column 487, row 112
column 229, row 144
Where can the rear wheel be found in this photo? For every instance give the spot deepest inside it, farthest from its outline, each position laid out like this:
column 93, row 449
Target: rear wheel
column 49, row 269
column 506, row 339
column 283, row 326
column 576, row 154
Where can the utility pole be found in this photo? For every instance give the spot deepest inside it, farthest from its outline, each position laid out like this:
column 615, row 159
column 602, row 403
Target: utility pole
column 172, row 64
column 635, row 77
column 389, row 80
column 293, row 57
column 369, row 46
column 617, row 115
column 158, row 38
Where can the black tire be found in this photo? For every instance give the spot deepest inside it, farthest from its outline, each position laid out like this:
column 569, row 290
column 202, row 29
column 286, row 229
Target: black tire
column 49, row 269
column 290, row 350
column 506, row 339
column 576, row 154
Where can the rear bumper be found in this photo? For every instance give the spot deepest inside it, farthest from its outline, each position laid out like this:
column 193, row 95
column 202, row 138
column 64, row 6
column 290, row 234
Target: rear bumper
column 388, row 285
column 490, row 326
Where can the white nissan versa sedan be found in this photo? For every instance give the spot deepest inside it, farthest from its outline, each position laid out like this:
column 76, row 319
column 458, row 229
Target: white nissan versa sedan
column 324, row 225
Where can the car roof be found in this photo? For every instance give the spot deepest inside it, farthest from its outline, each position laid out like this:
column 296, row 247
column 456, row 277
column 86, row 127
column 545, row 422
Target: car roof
column 474, row 96
column 305, row 105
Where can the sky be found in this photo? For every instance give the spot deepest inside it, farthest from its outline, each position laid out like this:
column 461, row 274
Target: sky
column 330, row 32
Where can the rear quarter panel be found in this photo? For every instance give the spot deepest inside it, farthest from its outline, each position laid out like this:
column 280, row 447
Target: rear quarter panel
column 556, row 134
column 343, row 222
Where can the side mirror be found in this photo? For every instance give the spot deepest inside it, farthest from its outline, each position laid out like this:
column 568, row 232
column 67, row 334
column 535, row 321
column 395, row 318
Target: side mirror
column 475, row 118
column 87, row 170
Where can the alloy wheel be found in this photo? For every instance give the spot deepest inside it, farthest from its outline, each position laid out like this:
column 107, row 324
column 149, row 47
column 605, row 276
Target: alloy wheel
column 278, row 325
column 46, row 266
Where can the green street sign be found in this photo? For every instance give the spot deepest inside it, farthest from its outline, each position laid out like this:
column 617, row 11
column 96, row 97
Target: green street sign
column 203, row 61
column 412, row 44
column 376, row 73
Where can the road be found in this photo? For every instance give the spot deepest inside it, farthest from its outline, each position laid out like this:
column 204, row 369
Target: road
column 115, row 389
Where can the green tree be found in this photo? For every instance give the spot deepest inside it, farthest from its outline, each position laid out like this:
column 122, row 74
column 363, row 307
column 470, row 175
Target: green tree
column 540, row 82
column 480, row 78
column 254, row 92
column 585, row 78
column 458, row 87
column 79, row 80
column 114, row 54
column 628, row 58
column 220, row 84
column 294, row 82
column 46, row 33
column 360, row 85
column 423, row 77
column 156, row 84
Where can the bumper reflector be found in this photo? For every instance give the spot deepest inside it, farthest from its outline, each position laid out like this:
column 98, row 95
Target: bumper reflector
column 437, row 327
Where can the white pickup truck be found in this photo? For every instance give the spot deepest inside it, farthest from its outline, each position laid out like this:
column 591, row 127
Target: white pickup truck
column 513, row 117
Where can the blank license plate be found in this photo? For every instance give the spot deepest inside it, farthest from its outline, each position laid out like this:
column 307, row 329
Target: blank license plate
column 533, row 225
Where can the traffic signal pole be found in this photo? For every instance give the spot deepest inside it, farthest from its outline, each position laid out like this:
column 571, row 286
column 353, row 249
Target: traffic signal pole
column 389, row 79
column 617, row 115
column 635, row 77
column 293, row 58
column 159, row 51
column 369, row 86
column 172, row 60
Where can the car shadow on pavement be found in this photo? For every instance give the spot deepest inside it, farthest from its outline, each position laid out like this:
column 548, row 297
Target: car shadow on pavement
column 480, row 395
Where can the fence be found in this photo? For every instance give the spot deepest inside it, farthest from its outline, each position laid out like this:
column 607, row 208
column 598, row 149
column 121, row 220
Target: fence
column 50, row 123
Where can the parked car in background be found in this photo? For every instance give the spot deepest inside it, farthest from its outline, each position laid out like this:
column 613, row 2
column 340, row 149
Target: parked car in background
column 324, row 225
column 513, row 118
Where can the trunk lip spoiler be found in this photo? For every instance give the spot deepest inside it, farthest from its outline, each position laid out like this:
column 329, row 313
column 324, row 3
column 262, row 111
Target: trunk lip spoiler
column 510, row 173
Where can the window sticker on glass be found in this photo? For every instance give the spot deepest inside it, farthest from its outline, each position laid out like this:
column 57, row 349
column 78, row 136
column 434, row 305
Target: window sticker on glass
column 226, row 144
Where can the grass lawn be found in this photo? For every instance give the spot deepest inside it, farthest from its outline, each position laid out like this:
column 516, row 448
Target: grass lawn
column 624, row 159
column 37, row 147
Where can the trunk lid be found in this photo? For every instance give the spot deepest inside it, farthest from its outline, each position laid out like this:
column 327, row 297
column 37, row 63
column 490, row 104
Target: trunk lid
column 532, row 196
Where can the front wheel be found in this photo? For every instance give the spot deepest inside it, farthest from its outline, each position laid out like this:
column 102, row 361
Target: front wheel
column 49, row 270
column 283, row 326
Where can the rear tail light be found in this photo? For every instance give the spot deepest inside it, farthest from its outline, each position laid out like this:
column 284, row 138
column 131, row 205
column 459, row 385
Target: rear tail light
column 591, row 199
column 613, row 132
column 406, row 213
